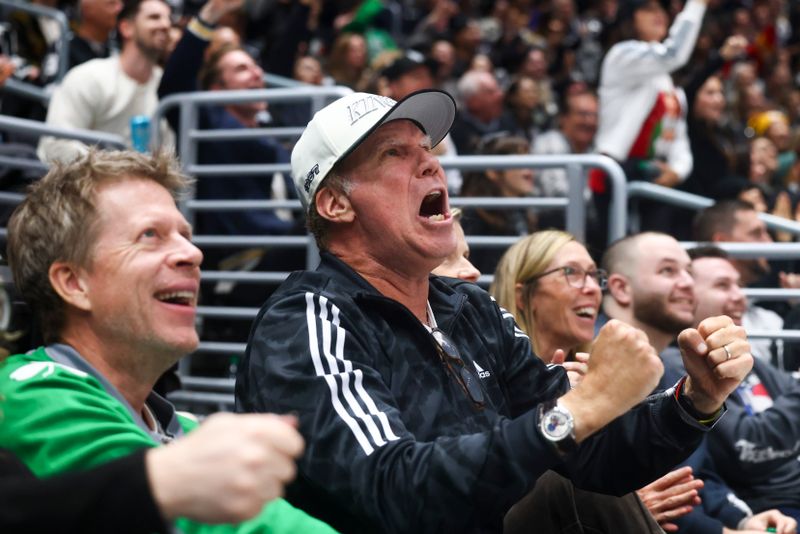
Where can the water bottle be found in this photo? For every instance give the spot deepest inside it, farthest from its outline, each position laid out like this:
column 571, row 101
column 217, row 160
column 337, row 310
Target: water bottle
column 140, row 133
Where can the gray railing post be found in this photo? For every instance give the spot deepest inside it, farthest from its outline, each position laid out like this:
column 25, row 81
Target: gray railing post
column 576, row 207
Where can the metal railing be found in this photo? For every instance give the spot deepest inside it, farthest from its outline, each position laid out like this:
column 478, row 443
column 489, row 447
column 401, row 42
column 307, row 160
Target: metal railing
column 188, row 104
column 38, row 128
column 62, row 48
column 683, row 199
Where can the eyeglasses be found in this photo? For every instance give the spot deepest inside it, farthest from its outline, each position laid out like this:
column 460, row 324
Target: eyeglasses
column 465, row 376
column 576, row 277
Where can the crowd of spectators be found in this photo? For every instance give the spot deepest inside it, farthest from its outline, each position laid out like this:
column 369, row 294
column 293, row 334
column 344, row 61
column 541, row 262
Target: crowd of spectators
column 702, row 96
column 712, row 109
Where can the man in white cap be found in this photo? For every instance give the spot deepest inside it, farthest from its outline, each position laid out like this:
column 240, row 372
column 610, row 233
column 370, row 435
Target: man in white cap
column 422, row 405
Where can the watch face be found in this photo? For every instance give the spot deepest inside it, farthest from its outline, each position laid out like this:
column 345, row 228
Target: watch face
column 556, row 425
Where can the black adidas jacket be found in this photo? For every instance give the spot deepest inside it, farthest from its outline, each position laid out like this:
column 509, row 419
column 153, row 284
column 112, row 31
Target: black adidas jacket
column 393, row 444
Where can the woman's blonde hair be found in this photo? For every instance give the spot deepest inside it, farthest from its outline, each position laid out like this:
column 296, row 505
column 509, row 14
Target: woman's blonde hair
column 524, row 260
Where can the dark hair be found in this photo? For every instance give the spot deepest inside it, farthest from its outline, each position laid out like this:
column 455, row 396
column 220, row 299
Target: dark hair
column 477, row 184
column 210, row 73
column 718, row 218
column 130, row 8
column 707, row 251
column 57, row 221
column 572, row 91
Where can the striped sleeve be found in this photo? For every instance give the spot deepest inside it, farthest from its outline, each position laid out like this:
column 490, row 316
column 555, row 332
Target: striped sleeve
column 349, row 399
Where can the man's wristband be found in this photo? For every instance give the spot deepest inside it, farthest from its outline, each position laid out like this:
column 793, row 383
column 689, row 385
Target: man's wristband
column 201, row 28
column 688, row 406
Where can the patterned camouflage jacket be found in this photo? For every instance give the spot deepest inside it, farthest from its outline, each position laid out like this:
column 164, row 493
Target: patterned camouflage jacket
column 394, row 444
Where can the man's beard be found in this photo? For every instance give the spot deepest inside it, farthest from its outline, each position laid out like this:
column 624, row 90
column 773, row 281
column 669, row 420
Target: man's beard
column 154, row 54
column 652, row 311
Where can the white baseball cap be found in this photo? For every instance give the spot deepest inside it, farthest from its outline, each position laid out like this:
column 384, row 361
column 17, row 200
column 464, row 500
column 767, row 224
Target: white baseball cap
column 338, row 128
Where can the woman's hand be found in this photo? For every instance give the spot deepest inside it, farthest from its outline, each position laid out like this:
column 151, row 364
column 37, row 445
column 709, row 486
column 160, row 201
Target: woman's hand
column 671, row 496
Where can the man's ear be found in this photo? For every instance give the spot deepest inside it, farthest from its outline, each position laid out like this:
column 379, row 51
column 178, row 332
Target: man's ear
column 620, row 289
column 334, row 206
column 125, row 29
column 68, row 282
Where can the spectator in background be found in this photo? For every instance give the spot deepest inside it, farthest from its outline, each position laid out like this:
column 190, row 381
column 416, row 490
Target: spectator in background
column 110, row 270
column 347, row 61
column 457, row 264
column 738, row 221
column 307, row 69
column 762, row 164
column 535, row 66
column 774, row 126
column 650, row 286
column 467, row 37
column 407, row 73
column 505, row 183
column 36, row 37
column 6, row 68
column 718, row 286
column 231, row 68
column 642, row 115
column 480, row 112
column 524, row 109
column 443, row 53
column 282, row 31
column 551, row 286
column 577, row 126
column 104, row 94
column 755, row 446
column 435, row 25
column 92, row 39
column 714, row 143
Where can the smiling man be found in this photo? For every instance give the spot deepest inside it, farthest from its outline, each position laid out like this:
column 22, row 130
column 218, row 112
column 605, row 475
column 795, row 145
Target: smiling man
column 423, row 408
column 104, row 94
column 650, row 286
column 755, row 448
column 104, row 258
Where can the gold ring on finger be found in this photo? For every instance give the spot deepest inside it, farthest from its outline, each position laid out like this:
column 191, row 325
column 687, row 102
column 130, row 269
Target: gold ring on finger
column 728, row 354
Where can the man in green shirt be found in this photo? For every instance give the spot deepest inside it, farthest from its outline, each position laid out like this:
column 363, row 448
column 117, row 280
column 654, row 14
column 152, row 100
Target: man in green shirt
column 104, row 258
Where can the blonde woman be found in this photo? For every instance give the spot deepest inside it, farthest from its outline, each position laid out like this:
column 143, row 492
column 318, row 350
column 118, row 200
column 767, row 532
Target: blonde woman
column 550, row 284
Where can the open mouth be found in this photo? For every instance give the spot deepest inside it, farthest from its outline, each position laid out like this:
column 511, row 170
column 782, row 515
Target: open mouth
column 433, row 206
column 180, row 298
column 586, row 312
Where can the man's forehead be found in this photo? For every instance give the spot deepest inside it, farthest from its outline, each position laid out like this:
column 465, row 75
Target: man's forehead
column 745, row 219
column 714, row 269
column 655, row 249
column 153, row 6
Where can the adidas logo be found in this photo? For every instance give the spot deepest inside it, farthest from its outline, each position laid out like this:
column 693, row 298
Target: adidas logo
column 481, row 372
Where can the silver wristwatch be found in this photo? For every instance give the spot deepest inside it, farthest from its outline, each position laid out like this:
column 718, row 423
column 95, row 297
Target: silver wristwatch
column 557, row 426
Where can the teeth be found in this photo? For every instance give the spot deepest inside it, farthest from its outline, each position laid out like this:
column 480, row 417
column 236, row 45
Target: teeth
column 186, row 296
column 587, row 311
column 437, row 217
column 434, row 195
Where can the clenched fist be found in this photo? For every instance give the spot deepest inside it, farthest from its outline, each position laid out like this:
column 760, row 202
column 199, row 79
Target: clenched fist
column 717, row 358
column 622, row 371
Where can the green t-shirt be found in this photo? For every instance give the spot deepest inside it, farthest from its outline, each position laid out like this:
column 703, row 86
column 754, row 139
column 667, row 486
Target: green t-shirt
column 56, row 418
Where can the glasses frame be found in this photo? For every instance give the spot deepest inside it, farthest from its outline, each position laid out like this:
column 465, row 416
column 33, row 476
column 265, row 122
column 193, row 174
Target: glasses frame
column 466, row 378
column 600, row 276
